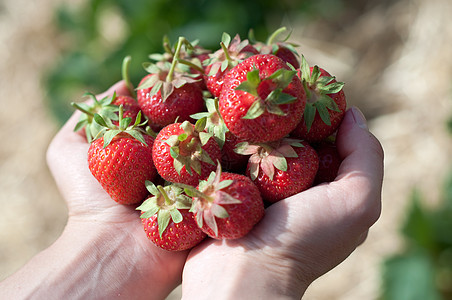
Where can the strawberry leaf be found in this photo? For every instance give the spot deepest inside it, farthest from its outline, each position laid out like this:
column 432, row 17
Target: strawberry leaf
column 256, row 109
column 251, row 83
column 150, row 212
column 163, row 219
column 254, row 162
column 223, row 184
column 176, row 216
column 225, row 198
column 150, row 186
column 245, row 148
column 219, row 211
column 309, row 115
column 210, row 221
column 323, row 112
column 109, row 135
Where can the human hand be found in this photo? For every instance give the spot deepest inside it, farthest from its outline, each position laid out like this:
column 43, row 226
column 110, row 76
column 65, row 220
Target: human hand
column 103, row 251
column 301, row 237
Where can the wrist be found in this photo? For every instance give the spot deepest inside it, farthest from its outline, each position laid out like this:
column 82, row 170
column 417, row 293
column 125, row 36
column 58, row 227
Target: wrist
column 96, row 260
column 243, row 275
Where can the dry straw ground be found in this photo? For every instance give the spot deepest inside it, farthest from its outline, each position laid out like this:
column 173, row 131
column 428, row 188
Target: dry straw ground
column 395, row 58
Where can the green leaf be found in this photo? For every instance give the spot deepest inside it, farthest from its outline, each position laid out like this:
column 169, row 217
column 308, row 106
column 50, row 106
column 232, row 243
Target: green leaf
column 150, row 212
column 309, row 115
column 176, row 216
column 251, row 83
column 255, row 110
column 305, row 70
column 323, row 112
column 163, row 219
column 226, row 39
column 219, row 211
column 224, row 184
column 109, row 136
column 204, row 137
column 150, row 186
column 100, row 120
column 332, row 88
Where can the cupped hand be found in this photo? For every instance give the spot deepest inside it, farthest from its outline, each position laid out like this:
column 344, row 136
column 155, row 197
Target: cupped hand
column 139, row 266
column 301, row 237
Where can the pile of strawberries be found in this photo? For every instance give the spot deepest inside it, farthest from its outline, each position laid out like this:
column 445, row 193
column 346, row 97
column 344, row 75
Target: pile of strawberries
column 208, row 139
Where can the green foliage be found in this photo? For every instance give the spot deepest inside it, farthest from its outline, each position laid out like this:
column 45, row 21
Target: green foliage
column 98, row 34
column 424, row 269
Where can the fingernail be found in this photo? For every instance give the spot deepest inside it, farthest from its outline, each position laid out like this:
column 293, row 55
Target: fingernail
column 359, row 118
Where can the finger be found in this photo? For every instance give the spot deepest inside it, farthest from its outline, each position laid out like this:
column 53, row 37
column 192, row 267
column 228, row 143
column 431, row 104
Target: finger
column 361, row 173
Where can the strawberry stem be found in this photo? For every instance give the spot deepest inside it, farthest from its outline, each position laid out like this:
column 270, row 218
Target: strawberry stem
column 162, row 191
column 226, row 54
column 170, row 75
column 272, row 37
column 126, row 77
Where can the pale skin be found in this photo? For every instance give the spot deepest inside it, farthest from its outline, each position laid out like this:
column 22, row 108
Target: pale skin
column 103, row 252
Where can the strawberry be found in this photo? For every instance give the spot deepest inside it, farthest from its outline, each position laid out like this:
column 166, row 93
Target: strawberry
column 226, row 205
column 279, row 47
column 166, row 218
column 262, row 99
column 224, row 59
column 326, row 104
column 121, row 160
column 107, row 107
column 184, row 153
column 280, row 169
column 330, row 161
column 215, row 125
column 168, row 94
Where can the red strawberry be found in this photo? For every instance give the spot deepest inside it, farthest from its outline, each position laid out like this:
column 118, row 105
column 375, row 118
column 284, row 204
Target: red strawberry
column 130, row 106
column 224, row 59
column 281, row 169
column 121, row 160
column 168, row 94
column 330, row 162
column 326, row 104
column 227, row 205
column 262, row 99
column 166, row 218
column 282, row 49
column 183, row 153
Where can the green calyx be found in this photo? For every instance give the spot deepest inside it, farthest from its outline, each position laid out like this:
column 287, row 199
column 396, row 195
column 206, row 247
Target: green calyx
column 169, row 73
column 228, row 56
column 209, row 200
column 268, row 156
column 109, row 130
column 186, row 148
column 165, row 202
column 318, row 88
column 103, row 107
column 214, row 123
column 281, row 79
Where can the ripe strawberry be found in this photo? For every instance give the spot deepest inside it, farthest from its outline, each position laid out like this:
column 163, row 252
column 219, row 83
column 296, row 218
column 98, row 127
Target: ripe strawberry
column 326, row 104
column 166, row 218
column 330, row 162
column 168, row 94
column 121, row 160
column 279, row 47
column 281, row 169
column 184, row 153
column 227, row 205
column 262, row 99
column 224, row 59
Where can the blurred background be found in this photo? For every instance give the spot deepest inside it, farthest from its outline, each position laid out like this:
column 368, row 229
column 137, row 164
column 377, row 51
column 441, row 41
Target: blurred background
column 395, row 57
